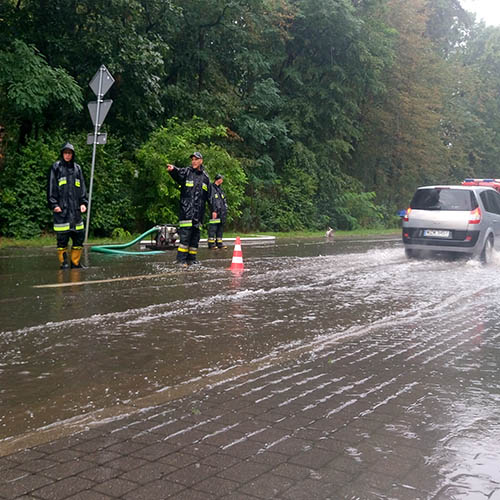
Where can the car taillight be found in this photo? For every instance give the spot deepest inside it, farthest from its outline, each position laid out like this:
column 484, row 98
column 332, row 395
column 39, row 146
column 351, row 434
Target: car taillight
column 475, row 216
column 405, row 217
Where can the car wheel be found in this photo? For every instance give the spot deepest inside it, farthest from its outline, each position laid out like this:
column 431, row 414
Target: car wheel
column 487, row 252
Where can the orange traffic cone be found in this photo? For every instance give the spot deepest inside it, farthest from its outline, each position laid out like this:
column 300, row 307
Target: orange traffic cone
column 237, row 262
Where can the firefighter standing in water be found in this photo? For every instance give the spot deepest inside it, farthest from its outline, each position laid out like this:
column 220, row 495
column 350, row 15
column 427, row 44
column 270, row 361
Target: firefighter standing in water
column 219, row 212
column 67, row 198
column 195, row 192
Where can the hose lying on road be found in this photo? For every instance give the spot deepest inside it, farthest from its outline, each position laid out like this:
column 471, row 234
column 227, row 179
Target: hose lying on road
column 116, row 248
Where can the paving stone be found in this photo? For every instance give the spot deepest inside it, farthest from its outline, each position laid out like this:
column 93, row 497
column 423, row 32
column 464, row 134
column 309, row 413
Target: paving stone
column 156, row 490
column 149, row 472
column 217, row 486
column 126, row 464
column 220, row 461
column 100, row 474
column 115, row 487
column 90, row 495
column 309, row 489
column 192, row 474
column 60, row 471
column 244, row 471
column 62, row 489
column 269, row 458
column 63, row 456
column 179, row 459
column 292, row 471
column 313, row 458
column 101, row 457
column 244, row 449
column 37, row 465
column 155, row 451
column 266, row 486
column 28, row 483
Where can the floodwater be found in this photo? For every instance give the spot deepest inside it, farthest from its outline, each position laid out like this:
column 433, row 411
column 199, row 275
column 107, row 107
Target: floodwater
column 77, row 341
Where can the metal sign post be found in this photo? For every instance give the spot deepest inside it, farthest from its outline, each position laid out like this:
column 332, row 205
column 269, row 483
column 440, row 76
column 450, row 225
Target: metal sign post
column 100, row 84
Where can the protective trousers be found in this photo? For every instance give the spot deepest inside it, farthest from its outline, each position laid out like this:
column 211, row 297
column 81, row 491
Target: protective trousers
column 189, row 238
column 76, row 248
column 215, row 232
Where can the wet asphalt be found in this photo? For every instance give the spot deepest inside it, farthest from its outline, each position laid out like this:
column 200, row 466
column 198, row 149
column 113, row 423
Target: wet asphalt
column 400, row 403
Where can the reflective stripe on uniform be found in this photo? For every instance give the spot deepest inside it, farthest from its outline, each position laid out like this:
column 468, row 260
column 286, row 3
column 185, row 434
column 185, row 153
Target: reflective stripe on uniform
column 189, row 184
column 185, row 223
column 193, row 251
column 61, row 227
column 77, row 183
column 182, row 249
column 79, row 227
column 214, row 221
column 205, row 187
column 62, row 181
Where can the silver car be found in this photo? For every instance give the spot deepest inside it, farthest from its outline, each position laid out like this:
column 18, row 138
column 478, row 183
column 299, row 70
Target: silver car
column 459, row 219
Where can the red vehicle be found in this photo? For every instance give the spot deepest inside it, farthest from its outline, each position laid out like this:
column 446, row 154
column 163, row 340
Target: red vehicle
column 494, row 183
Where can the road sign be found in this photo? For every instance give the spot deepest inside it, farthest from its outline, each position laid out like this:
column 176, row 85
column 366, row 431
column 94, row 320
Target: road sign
column 103, row 111
column 102, row 138
column 100, row 84
column 104, row 79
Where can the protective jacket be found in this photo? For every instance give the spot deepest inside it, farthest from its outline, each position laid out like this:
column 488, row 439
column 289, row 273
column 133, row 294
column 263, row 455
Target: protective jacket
column 66, row 189
column 195, row 192
column 218, row 202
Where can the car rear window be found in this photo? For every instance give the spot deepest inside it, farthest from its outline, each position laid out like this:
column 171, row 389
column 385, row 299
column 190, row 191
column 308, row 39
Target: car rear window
column 443, row 199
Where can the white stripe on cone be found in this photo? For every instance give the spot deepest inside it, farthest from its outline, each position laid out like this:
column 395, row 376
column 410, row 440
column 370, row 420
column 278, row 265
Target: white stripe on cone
column 237, row 262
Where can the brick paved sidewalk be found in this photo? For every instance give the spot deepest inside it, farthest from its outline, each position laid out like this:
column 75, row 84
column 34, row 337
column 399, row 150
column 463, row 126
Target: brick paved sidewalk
column 367, row 418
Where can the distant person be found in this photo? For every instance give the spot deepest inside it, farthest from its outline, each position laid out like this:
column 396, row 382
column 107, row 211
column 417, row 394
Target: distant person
column 67, row 198
column 219, row 211
column 195, row 192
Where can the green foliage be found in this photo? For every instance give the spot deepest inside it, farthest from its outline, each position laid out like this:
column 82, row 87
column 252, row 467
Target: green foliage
column 173, row 144
column 28, row 85
column 23, row 180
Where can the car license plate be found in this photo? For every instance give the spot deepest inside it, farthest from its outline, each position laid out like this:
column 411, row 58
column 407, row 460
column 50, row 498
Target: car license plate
column 436, row 233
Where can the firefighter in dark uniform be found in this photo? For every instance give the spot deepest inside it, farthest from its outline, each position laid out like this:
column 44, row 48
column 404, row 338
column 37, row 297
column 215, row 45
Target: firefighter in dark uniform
column 67, row 198
column 219, row 211
column 195, row 192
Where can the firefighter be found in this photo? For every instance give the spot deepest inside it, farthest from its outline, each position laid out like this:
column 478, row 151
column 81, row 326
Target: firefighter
column 195, row 192
column 219, row 206
column 67, row 198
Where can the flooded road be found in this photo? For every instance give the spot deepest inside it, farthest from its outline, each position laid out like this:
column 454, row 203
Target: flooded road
column 73, row 348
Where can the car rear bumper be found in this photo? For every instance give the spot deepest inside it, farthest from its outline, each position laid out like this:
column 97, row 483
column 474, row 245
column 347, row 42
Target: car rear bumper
column 461, row 241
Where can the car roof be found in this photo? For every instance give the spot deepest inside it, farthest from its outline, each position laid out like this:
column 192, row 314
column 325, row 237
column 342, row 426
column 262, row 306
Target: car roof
column 457, row 186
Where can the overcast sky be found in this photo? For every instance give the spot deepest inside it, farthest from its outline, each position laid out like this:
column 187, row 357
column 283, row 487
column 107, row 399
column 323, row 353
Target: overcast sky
column 486, row 10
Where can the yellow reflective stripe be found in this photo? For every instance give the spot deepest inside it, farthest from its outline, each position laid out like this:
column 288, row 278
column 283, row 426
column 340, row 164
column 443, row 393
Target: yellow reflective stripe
column 189, row 183
column 62, row 181
column 61, row 227
column 79, row 227
column 214, row 221
column 185, row 223
column 216, row 196
column 183, row 250
column 205, row 187
column 77, row 183
column 193, row 251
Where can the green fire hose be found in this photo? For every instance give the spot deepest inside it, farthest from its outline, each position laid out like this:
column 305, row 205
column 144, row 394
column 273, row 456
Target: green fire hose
column 116, row 248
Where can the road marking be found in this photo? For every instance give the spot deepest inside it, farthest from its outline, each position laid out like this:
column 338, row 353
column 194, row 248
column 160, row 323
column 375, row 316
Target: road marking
column 93, row 282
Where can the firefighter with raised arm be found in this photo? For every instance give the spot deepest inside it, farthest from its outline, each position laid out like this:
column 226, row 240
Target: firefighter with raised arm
column 67, row 198
column 195, row 192
column 219, row 211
